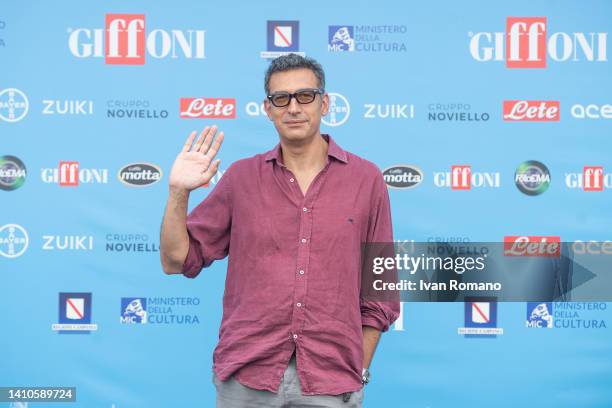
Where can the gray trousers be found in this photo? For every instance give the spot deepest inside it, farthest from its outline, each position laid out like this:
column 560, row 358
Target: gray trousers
column 232, row 394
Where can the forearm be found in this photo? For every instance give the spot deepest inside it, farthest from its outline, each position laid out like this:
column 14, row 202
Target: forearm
column 174, row 240
column 370, row 341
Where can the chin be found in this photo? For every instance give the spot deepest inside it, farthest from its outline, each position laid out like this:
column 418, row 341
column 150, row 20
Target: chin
column 296, row 133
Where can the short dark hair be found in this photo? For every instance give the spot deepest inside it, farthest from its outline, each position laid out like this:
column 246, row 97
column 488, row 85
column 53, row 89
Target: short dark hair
column 294, row 61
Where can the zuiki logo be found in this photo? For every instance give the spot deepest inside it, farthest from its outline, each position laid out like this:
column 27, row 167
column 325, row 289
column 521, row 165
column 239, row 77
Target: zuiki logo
column 13, row 240
column 532, row 177
column 527, row 44
column 531, row 111
column 14, row 105
column 67, row 107
column 124, row 41
column 75, row 314
column 12, row 173
column 403, row 176
column 339, row 110
column 388, row 111
column 461, row 177
column 208, row 108
column 139, row 174
column 67, row 242
column 70, row 174
column 591, row 179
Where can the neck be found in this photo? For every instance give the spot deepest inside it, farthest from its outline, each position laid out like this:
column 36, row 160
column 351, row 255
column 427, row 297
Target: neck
column 304, row 155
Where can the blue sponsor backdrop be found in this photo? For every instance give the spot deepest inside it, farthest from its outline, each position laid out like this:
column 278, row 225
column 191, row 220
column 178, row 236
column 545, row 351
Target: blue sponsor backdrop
column 423, row 84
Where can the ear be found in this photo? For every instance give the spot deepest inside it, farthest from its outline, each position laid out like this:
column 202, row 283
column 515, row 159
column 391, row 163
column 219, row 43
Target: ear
column 268, row 108
column 324, row 104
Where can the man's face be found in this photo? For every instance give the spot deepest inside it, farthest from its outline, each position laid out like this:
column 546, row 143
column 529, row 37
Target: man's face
column 296, row 121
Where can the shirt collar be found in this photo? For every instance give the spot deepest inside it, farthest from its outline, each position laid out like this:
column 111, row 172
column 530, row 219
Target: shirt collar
column 333, row 150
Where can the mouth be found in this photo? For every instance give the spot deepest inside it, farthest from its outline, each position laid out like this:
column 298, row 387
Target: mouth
column 294, row 123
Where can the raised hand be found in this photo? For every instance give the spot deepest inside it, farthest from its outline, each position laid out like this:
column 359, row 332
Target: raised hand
column 194, row 165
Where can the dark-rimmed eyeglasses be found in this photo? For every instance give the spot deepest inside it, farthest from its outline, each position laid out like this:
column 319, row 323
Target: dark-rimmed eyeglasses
column 303, row 96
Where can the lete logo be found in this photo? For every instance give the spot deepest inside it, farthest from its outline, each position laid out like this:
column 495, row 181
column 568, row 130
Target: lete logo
column 531, row 111
column 208, row 108
column 547, row 246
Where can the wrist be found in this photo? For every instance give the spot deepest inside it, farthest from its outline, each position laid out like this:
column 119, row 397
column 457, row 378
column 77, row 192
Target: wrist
column 180, row 192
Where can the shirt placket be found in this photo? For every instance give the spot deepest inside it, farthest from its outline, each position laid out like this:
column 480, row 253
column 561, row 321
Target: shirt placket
column 300, row 302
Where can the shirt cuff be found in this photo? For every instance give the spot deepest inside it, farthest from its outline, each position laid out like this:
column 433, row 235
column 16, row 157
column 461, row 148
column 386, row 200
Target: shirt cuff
column 371, row 320
column 193, row 262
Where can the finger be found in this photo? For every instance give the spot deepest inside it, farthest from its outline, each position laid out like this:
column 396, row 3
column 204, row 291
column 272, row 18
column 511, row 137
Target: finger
column 212, row 170
column 208, row 140
column 200, row 140
column 215, row 147
column 189, row 141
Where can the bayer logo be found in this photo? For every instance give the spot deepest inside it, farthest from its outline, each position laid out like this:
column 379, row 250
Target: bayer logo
column 339, row 110
column 13, row 105
column 13, row 240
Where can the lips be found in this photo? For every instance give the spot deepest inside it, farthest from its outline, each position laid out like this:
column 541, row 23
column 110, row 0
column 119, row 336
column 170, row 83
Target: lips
column 295, row 122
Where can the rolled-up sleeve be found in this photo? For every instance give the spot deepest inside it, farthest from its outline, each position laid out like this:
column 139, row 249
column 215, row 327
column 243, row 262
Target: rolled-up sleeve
column 380, row 314
column 209, row 226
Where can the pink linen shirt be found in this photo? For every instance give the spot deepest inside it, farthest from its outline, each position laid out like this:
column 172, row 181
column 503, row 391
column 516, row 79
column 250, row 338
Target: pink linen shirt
column 293, row 277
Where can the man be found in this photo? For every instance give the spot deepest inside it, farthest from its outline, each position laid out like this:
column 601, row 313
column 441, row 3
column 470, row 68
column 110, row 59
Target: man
column 294, row 331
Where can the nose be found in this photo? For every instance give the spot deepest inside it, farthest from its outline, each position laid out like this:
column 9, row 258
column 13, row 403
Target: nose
column 294, row 107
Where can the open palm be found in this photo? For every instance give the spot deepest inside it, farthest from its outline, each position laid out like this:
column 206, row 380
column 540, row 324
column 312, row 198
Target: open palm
column 194, row 165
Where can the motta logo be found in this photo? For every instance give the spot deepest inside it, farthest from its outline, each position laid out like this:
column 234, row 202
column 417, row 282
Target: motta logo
column 592, row 178
column 208, row 108
column 531, row 111
column 546, row 246
column 402, row 176
column 69, row 174
column 124, row 41
column 461, row 177
column 527, row 44
column 139, row 174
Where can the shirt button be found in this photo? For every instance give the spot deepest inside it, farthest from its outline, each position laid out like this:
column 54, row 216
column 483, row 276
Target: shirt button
column 303, row 240
column 292, row 179
column 305, row 209
column 301, row 272
column 298, row 304
column 294, row 336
